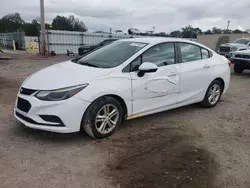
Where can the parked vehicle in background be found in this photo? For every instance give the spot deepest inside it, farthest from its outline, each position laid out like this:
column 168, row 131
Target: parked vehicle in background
column 120, row 81
column 102, row 32
column 229, row 48
column 87, row 48
column 120, row 32
column 241, row 60
column 133, row 31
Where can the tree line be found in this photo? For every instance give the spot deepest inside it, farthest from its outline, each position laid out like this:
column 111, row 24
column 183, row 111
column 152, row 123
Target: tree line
column 14, row 22
column 191, row 32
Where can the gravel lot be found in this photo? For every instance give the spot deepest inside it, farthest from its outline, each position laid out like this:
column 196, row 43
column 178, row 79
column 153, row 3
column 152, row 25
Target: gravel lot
column 189, row 147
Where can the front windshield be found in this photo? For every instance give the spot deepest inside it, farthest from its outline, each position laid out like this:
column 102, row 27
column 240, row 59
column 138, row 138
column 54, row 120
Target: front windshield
column 242, row 41
column 111, row 55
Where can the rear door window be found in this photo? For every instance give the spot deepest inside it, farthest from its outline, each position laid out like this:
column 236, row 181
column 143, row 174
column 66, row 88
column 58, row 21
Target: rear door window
column 190, row 52
column 204, row 53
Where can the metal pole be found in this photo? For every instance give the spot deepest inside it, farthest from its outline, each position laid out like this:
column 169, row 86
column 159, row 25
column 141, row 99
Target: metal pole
column 48, row 38
column 228, row 23
column 42, row 27
column 110, row 32
column 153, row 29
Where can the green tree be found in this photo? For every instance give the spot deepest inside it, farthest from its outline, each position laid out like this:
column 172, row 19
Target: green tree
column 30, row 29
column 61, row 23
column 176, row 33
column 190, row 32
column 208, row 32
column 70, row 23
column 14, row 18
column 216, row 30
column 237, row 31
column 11, row 23
column 198, row 31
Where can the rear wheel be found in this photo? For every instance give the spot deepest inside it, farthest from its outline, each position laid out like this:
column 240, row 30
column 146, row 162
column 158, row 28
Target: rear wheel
column 213, row 94
column 238, row 69
column 103, row 117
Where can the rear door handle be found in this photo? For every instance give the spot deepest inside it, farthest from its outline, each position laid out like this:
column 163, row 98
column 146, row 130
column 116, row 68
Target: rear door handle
column 172, row 74
column 206, row 66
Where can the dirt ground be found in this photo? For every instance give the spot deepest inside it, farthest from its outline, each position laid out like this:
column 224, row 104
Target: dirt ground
column 189, row 147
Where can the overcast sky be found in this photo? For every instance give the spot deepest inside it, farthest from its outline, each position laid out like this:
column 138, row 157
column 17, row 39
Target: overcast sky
column 165, row 15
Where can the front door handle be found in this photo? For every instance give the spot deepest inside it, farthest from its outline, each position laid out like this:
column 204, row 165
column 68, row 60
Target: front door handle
column 206, row 66
column 172, row 74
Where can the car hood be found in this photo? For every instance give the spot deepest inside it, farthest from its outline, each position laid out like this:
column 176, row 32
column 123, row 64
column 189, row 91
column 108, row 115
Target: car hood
column 243, row 52
column 63, row 75
column 233, row 44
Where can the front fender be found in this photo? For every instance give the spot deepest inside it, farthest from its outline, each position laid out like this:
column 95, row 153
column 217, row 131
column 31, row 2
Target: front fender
column 119, row 86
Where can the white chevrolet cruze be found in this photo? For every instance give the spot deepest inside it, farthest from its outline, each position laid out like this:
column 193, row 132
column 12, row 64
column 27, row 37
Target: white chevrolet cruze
column 127, row 79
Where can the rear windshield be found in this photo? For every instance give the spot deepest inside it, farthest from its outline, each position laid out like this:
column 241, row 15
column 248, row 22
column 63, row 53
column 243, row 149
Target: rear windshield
column 112, row 55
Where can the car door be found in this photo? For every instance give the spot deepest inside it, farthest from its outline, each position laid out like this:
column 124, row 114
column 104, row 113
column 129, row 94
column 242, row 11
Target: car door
column 156, row 91
column 195, row 70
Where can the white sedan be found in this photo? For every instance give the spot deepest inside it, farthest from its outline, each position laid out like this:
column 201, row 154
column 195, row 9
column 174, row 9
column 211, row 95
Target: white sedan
column 127, row 79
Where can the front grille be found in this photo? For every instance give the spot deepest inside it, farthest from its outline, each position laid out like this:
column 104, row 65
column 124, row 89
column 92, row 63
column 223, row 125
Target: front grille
column 242, row 56
column 26, row 91
column 23, row 105
column 241, row 61
column 224, row 49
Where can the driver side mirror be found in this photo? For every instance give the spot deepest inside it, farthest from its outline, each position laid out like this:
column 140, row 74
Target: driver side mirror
column 146, row 67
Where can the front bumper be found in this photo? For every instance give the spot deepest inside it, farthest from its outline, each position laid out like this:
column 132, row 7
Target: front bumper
column 240, row 61
column 69, row 112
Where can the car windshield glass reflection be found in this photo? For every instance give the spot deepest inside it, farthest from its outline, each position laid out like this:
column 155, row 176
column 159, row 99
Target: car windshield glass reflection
column 111, row 55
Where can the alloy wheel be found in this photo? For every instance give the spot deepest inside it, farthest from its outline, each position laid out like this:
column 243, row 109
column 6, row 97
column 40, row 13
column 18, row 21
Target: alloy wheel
column 214, row 94
column 106, row 119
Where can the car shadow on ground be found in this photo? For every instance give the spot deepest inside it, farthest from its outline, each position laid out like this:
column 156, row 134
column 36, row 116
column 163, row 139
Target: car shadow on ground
column 153, row 118
column 50, row 137
column 125, row 128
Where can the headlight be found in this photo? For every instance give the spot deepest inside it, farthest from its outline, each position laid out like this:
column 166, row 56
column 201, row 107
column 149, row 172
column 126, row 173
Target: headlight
column 60, row 94
column 234, row 48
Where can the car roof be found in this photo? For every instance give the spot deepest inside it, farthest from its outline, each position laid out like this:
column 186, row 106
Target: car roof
column 155, row 40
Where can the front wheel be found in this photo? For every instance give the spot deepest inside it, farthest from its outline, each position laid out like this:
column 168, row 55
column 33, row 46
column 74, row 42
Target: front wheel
column 103, row 117
column 213, row 94
column 238, row 69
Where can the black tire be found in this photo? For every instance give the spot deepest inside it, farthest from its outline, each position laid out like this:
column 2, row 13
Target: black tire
column 88, row 121
column 238, row 69
column 205, row 103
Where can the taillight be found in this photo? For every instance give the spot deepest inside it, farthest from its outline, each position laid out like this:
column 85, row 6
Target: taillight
column 229, row 63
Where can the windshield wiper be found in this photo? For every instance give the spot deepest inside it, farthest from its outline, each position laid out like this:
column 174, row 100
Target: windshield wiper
column 88, row 64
